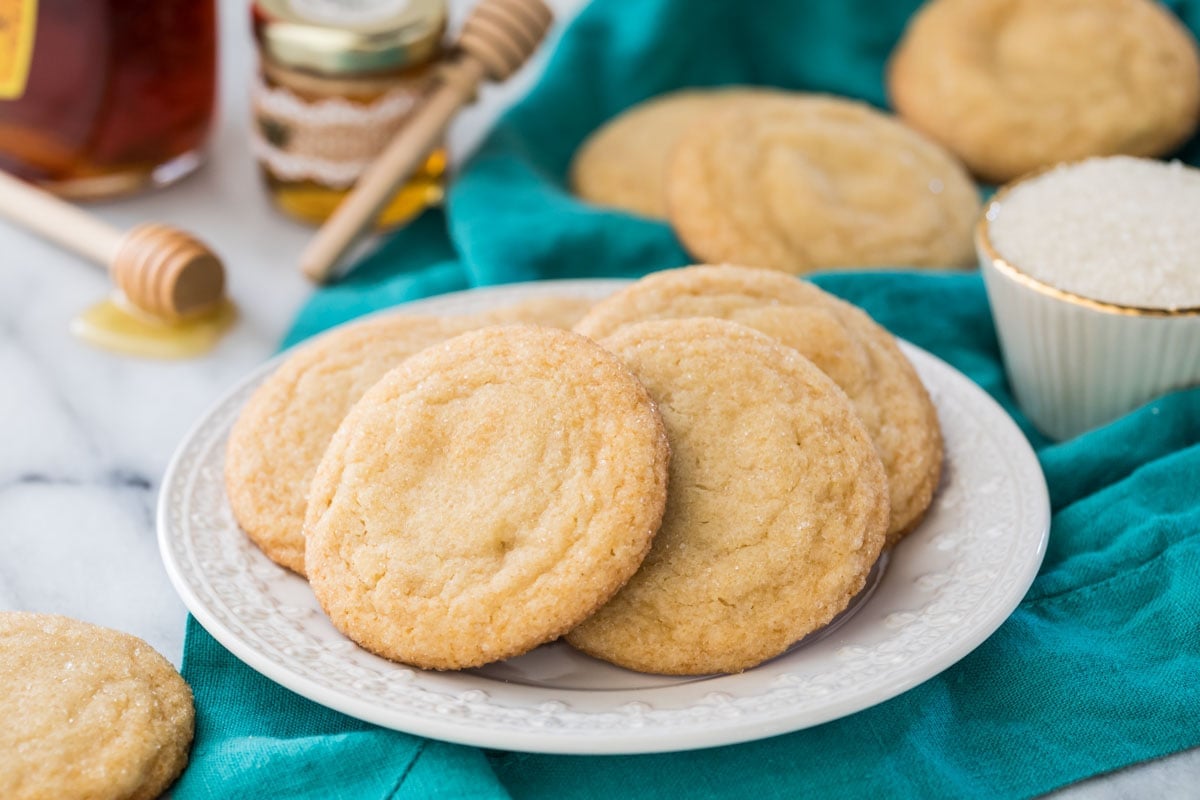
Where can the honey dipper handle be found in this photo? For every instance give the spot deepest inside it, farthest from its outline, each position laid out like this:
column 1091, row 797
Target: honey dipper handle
column 497, row 38
column 58, row 221
column 163, row 271
column 395, row 165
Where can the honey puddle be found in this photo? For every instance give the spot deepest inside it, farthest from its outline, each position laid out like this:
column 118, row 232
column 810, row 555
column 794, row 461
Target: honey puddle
column 113, row 324
column 314, row 203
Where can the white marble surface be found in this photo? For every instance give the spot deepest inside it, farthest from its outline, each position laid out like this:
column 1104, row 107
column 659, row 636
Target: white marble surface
column 85, row 435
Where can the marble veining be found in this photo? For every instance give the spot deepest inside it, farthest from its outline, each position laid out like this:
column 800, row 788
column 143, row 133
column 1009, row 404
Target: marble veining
column 85, row 436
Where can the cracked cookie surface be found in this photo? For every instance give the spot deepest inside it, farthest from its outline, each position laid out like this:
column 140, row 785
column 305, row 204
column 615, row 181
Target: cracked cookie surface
column 857, row 353
column 776, row 512
column 1012, row 86
column 485, row 497
column 282, row 432
column 797, row 182
column 87, row 712
column 279, row 437
column 623, row 162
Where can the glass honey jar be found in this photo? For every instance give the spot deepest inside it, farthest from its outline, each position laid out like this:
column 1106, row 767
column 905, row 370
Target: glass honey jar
column 104, row 97
column 336, row 80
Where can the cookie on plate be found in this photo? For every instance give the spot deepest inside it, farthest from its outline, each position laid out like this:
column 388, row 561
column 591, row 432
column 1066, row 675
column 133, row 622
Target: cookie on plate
column 798, row 183
column 485, row 497
column 1012, row 86
column 851, row 348
column 776, row 510
column 553, row 311
column 88, row 712
column 622, row 163
column 282, row 433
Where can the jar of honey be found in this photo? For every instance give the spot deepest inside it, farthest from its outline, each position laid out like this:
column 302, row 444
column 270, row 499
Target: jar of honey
column 104, row 97
column 337, row 79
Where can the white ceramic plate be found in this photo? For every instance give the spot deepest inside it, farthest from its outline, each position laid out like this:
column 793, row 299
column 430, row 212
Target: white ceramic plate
column 942, row 591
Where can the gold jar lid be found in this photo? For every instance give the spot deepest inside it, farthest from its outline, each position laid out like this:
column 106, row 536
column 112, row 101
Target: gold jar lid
column 349, row 37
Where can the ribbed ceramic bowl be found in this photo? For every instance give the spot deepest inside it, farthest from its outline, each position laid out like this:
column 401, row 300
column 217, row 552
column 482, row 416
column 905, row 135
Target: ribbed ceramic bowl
column 1076, row 363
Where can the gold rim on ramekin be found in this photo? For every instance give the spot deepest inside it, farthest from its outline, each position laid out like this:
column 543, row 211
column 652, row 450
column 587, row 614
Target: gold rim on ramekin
column 984, row 242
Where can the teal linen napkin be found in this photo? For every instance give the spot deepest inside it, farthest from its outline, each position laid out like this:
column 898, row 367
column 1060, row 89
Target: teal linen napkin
column 1096, row 669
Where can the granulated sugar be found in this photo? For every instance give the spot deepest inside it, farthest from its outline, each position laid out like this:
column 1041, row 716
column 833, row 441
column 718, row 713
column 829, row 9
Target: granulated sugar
column 1121, row 230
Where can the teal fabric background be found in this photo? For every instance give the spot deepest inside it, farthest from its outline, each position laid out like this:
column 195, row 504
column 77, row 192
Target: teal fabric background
column 1097, row 668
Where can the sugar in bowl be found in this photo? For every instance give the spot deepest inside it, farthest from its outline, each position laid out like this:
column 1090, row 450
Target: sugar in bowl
column 1093, row 273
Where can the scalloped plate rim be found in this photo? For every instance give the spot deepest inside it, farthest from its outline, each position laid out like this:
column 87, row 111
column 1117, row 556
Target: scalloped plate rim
column 624, row 740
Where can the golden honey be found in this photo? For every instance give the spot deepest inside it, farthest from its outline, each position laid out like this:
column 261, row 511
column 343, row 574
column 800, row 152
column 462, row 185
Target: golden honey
column 113, row 324
column 104, row 97
column 314, row 202
column 337, row 80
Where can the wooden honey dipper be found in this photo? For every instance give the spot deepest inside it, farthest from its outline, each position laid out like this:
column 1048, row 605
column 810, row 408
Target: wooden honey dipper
column 161, row 270
column 497, row 38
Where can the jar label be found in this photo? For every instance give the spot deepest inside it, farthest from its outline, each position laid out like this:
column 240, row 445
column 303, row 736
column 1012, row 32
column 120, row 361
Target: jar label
column 329, row 141
column 18, row 24
column 348, row 12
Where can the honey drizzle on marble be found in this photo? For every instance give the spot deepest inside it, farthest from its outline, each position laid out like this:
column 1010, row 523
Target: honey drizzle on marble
column 114, row 325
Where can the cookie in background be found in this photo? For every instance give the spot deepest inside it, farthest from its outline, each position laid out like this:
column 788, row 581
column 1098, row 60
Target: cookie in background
column 798, row 183
column 783, row 180
column 623, row 163
column 1013, row 86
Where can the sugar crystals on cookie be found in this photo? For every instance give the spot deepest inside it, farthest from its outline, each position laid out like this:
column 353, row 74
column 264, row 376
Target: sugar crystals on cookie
column 777, row 506
column 485, row 497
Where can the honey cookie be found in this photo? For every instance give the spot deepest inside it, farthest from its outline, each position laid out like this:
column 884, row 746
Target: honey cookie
column 485, row 497
column 553, row 311
column 282, row 433
column 851, row 348
column 88, row 712
column 805, row 182
column 1012, row 86
column 776, row 509
column 622, row 163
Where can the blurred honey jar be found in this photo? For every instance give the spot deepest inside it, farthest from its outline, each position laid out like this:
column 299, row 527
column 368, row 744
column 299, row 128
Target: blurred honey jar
column 337, row 79
column 105, row 97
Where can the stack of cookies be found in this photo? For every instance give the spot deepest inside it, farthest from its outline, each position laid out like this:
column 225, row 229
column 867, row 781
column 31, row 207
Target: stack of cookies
column 799, row 182
column 784, row 181
column 700, row 474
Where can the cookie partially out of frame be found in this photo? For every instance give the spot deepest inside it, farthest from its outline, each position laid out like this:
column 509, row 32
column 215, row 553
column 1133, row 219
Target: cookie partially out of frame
column 282, row 433
column 797, row 183
column 776, row 510
column 1012, row 86
column 485, row 497
column 87, row 712
column 858, row 354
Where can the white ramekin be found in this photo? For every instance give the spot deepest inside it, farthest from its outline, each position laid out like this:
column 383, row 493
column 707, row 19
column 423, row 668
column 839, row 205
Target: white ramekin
column 1076, row 363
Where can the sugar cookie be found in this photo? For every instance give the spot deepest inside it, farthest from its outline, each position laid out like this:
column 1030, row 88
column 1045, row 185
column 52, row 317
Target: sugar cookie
column 776, row 511
column 485, row 497
column 281, row 434
column 1012, row 86
column 805, row 182
column 858, row 354
column 553, row 311
column 87, row 712
column 622, row 163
